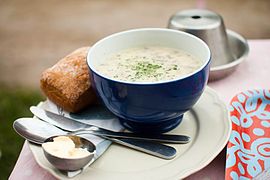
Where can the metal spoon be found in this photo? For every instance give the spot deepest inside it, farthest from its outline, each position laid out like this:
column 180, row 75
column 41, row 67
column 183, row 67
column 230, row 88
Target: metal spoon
column 72, row 125
column 38, row 131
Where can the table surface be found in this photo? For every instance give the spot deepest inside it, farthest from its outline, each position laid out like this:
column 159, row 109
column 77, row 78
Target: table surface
column 253, row 73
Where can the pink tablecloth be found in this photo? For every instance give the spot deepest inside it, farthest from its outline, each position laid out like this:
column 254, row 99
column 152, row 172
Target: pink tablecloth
column 251, row 74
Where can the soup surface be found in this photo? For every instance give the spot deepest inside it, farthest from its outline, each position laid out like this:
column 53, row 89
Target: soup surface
column 148, row 64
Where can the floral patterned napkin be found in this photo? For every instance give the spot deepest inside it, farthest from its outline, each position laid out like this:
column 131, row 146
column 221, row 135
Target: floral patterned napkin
column 248, row 149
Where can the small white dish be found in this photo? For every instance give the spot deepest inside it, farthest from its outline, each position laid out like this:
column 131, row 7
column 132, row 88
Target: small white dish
column 208, row 125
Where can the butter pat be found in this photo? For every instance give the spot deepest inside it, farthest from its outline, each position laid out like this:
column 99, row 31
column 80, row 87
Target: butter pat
column 64, row 147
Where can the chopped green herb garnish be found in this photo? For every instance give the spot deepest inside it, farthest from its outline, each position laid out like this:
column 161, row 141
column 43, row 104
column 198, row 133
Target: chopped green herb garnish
column 145, row 69
column 175, row 67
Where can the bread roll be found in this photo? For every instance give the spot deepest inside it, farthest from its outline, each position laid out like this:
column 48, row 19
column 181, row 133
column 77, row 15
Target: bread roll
column 68, row 83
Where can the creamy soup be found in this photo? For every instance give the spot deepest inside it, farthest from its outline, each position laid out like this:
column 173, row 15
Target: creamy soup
column 148, row 64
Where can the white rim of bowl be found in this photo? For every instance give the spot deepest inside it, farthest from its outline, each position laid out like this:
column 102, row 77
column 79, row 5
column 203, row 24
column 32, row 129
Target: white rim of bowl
column 90, row 65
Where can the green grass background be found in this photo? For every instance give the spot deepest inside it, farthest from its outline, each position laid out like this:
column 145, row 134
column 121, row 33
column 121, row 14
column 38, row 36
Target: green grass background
column 14, row 103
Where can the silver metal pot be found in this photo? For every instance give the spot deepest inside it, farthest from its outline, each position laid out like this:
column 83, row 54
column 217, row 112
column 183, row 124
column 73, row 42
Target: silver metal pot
column 228, row 48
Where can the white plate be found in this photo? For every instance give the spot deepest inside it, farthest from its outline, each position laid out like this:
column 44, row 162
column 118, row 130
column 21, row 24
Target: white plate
column 208, row 125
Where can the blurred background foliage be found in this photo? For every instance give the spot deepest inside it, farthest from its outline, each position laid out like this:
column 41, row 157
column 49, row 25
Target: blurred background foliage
column 14, row 103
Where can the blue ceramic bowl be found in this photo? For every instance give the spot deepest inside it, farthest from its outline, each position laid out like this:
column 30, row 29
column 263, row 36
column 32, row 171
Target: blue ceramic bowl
column 154, row 107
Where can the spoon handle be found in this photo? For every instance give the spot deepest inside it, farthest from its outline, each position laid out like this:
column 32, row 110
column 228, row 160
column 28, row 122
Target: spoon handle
column 164, row 138
column 152, row 148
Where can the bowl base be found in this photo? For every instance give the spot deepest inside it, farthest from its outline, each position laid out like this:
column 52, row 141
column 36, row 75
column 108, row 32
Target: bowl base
column 151, row 128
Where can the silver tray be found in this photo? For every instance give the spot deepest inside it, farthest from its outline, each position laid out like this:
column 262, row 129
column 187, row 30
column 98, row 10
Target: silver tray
column 239, row 48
